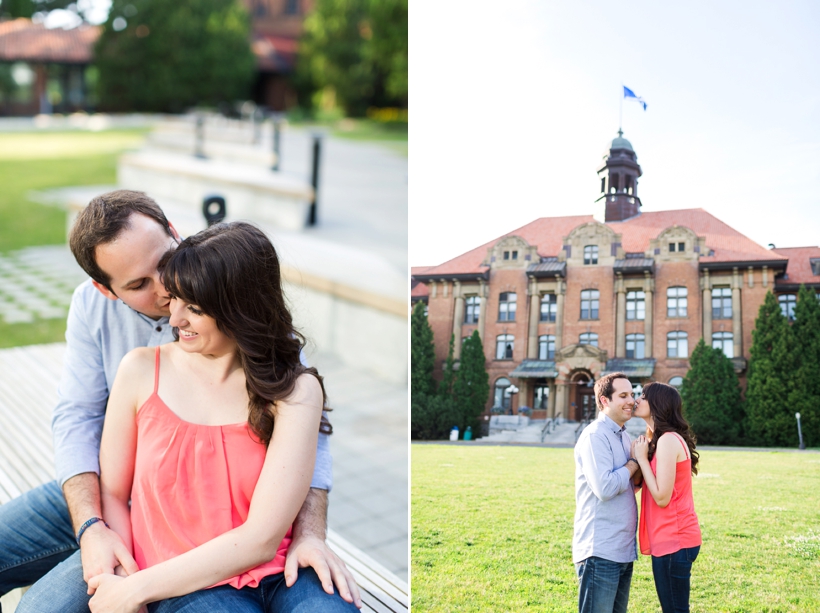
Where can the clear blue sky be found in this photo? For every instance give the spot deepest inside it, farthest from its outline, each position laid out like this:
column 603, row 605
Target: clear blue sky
column 513, row 105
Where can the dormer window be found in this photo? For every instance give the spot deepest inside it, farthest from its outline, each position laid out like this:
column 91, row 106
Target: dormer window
column 506, row 255
column 590, row 254
column 515, row 255
column 680, row 247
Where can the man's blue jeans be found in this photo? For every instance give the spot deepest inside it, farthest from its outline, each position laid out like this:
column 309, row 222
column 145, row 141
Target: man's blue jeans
column 604, row 585
column 672, row 579
column 35, row 536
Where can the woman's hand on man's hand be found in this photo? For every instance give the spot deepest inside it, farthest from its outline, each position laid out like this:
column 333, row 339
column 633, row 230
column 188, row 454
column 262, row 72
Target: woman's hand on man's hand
column 310, row 551
column 113, row 594
column 640, row 448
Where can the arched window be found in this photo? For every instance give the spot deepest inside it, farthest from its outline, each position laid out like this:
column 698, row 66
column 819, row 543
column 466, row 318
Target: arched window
column 787, row 304
column 676, row 382
column 676, row 302
column 591, row 254
column 504, row 347
column 500, row 398
column 589, row 338
column 549, row 307
column 473, row 304
column 546, row 347
column 677, row 345
column 506, row 306
column 724, row 342
column 635, row 346
column 589, row 303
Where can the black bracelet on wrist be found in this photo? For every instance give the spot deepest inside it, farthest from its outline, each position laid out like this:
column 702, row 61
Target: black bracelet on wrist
column 633, row 460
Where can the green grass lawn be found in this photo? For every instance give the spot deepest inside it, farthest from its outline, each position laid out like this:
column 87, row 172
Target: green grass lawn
column 45, row 160
column 492, row 531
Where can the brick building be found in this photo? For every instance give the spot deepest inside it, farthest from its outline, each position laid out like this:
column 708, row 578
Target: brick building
column 563, row 300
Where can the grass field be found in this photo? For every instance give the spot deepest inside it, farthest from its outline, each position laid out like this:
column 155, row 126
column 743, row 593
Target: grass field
column 39, row 161
column 492, row 531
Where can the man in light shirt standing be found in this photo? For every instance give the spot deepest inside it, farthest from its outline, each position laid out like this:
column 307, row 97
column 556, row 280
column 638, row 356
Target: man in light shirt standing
column 606, row 514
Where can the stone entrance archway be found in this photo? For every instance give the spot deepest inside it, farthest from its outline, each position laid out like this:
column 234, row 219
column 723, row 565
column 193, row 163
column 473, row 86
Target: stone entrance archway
column 577, row 364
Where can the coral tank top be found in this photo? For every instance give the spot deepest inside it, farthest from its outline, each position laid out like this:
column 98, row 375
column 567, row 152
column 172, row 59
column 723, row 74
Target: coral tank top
column 675, row 526
column 192, row 482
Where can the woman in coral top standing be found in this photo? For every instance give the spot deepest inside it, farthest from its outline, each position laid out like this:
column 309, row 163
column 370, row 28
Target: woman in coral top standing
column 669, row 528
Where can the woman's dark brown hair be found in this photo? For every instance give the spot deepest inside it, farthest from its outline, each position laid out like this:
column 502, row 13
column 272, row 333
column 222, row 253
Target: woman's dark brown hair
column 665, row 406
column 231, row 272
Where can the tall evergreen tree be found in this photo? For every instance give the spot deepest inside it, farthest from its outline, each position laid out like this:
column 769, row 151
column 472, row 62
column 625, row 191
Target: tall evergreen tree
column 711, row 397
column 804, row 388
column 769, row 419
column 422, row 353
column 445, row 387
column 471, row 387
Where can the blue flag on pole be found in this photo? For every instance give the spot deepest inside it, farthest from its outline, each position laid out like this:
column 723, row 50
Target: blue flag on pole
column 628, row 93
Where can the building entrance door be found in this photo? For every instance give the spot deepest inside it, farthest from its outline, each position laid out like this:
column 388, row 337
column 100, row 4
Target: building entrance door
column 584, row 397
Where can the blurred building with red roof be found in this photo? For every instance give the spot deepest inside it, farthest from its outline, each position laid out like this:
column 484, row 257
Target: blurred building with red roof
column 563, row 300
column 47, row 69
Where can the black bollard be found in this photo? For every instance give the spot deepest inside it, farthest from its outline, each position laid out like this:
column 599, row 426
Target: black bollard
column 313, row 218
column 214, row 209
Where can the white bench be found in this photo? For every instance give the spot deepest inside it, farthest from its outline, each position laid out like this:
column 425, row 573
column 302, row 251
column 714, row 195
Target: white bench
column 28, row 392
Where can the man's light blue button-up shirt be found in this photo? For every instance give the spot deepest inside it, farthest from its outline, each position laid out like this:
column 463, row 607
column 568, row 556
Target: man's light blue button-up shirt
column 99, row 334
column 606, row 514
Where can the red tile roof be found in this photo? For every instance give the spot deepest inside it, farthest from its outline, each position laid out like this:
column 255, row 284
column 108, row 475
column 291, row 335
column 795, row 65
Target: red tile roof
column 21, row 40
column 799, row 268
column 418, row 290
column 546, row 233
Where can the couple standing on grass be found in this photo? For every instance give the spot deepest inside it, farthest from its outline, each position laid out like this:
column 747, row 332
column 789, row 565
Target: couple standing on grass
column 212, row 458
column 609, row 469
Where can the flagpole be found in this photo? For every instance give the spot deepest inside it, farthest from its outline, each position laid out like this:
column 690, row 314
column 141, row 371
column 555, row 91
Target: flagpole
column 621, row 110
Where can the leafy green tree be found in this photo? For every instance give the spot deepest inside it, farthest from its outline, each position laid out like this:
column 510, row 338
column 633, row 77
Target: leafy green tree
column 432, row 417
column 27, row 8
column 711, row 397
column 804, row 383
column 471, row 388
column 356, row 49
column 422, row 353
column 769, row 418
column 169, row 56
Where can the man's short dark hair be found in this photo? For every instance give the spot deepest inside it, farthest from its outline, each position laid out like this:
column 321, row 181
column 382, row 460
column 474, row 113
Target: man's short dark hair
column 103, row 220
column 605, row 386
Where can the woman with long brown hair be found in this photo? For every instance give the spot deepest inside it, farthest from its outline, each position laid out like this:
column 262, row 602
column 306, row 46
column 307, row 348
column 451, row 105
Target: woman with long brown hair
column 212, row 439
column 669, row 529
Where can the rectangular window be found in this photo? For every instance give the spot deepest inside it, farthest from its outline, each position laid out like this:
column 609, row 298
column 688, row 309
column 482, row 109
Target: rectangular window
column 591, row 254
column 506, row 255
column 681, row 247
column 515, row 255
column 589, row 303
column 546, row 347
column 671, row 247
column 721, row 303
column 473, row 305
column 506, row 306
column 504, row 347
column 676, row 302
column 635, row 305
column 549, row 307
column 635, row 346
column 677, row 345
column 788, row 302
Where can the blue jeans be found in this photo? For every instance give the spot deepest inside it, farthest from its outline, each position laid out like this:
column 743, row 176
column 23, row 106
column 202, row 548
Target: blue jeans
column 672, row 574
column 270, row 596
column 604, row 585
column 35, row 536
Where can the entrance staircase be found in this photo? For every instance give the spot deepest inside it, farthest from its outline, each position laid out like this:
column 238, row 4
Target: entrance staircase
column 565, row 433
